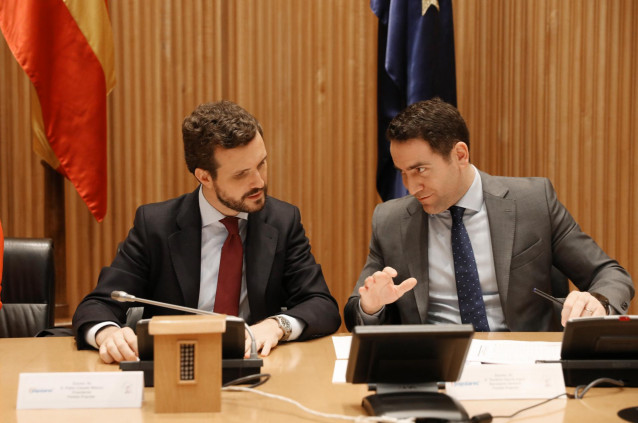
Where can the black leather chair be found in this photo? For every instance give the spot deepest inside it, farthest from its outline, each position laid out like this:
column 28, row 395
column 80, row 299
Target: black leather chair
column 28, row 287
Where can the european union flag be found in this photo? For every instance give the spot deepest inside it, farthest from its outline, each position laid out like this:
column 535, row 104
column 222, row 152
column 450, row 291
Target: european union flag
column 416, row 62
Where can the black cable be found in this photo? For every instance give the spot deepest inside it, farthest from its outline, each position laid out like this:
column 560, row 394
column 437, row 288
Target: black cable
column 579, row 395
column 260, row 377
column 530, row 407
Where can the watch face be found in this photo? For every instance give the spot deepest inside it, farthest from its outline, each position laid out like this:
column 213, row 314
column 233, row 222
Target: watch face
column 284, row 324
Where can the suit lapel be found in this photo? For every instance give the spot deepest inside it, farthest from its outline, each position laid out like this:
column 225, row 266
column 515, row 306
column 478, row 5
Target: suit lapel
column 501, row 213
column 185, row 248
column 414, row 232
column 261, row 245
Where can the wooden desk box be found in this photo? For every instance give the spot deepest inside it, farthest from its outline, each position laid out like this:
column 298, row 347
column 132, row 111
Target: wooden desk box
column 188, row 357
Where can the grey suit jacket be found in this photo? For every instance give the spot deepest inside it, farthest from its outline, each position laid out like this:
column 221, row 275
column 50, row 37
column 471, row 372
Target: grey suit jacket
column 531, row 232
column 161, row 259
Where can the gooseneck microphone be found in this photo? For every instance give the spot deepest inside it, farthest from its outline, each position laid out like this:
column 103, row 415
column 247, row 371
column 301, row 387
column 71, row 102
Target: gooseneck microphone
column 124, row 297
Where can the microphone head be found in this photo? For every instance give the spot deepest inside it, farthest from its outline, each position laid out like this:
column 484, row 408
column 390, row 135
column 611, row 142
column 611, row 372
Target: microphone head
column 122, row 296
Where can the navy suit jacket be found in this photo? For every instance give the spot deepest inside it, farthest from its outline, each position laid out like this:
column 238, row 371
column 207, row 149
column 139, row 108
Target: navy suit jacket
column 161, row 258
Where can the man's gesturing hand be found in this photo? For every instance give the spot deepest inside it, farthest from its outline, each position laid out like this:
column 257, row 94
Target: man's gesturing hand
column 379, row 290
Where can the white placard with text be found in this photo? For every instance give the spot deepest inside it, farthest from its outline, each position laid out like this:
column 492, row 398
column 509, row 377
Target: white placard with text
column 80, row 390
column 508, row 381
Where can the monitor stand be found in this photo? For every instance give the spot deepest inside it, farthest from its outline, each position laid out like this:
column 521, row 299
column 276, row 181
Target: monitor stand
column 422, row 402
column 630, row 414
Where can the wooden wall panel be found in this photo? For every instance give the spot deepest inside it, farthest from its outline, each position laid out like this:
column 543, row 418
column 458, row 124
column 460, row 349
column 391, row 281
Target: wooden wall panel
column 315, row 97
column 20, row 171
column 547, row 88
column 304, row 69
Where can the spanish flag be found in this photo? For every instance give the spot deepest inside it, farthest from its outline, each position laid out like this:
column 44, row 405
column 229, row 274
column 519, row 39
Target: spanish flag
column 66, row 49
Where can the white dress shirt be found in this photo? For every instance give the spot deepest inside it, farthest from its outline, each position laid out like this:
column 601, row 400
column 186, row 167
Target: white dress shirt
column 214, row 233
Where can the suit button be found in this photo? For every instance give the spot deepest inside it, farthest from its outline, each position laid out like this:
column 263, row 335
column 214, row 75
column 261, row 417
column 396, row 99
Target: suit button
column 624, row 305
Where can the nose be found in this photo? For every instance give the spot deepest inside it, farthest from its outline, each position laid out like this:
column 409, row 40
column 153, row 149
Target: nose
column 257, row 180
column 412, row 184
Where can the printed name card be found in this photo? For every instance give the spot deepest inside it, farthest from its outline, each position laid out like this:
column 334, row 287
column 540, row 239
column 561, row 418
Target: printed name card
column 508, row 381
column 80, row 390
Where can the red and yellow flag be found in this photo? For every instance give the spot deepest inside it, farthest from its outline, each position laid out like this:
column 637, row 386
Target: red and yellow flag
column 66, row 49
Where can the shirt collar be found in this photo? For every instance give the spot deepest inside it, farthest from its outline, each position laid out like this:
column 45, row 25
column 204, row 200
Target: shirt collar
column 473, row 198
column 210, row 214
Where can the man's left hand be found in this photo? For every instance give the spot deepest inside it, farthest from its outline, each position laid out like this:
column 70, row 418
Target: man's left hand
column 267, row 335
column 581, row 304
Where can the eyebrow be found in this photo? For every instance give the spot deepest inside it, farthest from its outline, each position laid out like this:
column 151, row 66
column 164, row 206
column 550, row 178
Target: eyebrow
column 244, row 171
column 414, row 166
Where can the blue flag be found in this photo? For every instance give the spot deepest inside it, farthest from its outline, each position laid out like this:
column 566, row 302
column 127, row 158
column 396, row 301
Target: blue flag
column 416, row 62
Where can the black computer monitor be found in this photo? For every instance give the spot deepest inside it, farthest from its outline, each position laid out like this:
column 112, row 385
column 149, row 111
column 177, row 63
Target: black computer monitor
column 597, row 347
column 404, row 364
column 608, row 337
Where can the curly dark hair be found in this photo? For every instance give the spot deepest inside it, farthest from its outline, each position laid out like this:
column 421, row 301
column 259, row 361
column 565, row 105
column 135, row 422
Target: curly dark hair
column 221, row 124
column 436, row 122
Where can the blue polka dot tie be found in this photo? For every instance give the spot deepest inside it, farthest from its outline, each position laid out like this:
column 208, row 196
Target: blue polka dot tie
column 468, row 286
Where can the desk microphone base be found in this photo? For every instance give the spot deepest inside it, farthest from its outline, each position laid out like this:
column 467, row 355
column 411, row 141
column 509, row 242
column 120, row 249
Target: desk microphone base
column 232, row 368
column 426, row 406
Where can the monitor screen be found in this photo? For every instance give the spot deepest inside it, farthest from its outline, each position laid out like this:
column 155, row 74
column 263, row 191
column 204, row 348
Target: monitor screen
column 396, row 354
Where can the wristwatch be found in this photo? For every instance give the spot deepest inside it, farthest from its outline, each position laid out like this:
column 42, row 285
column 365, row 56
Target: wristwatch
column 285, row 325
column 602, row 300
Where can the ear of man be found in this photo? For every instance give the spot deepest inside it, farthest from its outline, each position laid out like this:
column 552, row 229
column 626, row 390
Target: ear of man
column 204, row 177
column 461, row 152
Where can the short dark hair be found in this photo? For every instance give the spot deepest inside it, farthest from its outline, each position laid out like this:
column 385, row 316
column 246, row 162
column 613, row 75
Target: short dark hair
column 438, row 123
column 221, row 124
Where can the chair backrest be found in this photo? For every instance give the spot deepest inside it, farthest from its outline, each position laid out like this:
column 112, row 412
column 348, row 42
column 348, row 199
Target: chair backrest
column 28, row 287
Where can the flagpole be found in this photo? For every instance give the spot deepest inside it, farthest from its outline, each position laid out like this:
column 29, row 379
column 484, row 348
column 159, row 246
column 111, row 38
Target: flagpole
column 55, row 228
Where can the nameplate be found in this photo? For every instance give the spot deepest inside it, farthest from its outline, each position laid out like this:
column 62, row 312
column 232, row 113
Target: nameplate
column 508, row 381
column 80, row 390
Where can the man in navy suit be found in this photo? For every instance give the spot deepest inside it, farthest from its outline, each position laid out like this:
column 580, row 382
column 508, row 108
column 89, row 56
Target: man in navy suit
column 173, row 252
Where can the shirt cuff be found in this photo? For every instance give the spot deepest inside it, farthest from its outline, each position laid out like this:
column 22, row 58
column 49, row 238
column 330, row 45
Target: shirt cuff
column 297, row 326
column 370, row 319
column 90, row 334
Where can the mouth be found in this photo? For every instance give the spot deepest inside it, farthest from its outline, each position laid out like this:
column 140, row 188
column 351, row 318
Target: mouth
column 254, row 196
column 423, row 197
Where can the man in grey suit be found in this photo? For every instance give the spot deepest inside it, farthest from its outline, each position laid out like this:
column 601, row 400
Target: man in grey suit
column 226, row 247
column 510, row 235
